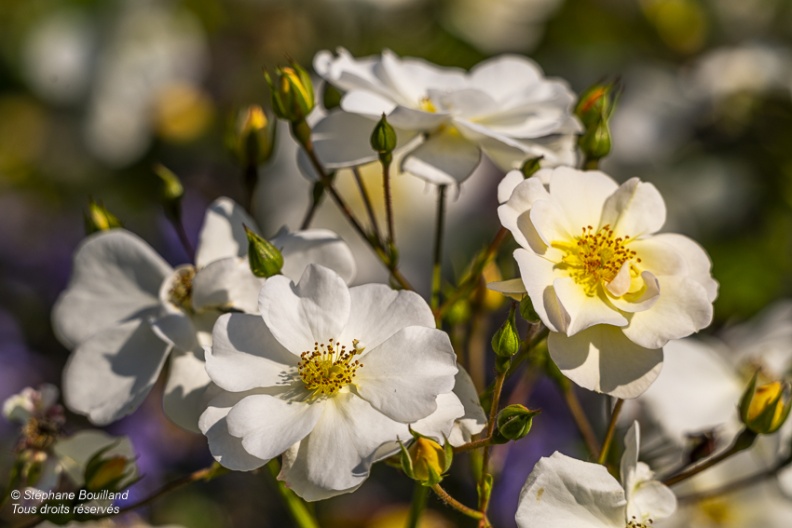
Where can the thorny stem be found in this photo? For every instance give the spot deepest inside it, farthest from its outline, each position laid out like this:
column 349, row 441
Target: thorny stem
column 302, row 134
column 743, row 441
column 581, row 420
column 458, row 506
column 418, row 504
column 205, row 474
column 367, row 202
column 303, row 518
column 438, row 248
column 606, row 443
column 385, row 160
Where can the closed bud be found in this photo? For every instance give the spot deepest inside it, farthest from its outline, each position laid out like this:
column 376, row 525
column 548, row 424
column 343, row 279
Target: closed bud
column 426, row 460
column 383, row 138
column 105, row 471
column 251, row 137
column 506, row 341
column 264, row 258
column 765, row 408
column 514, row 422
column 531, row 166
column 292, row 92
column 597, row 102
column 98, row 218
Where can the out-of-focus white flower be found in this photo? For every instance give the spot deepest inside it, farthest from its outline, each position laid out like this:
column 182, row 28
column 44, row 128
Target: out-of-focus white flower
column 562, row 492
column 611, row 290
column 504, row 107
column 713, row 374
column 761, row 504
column 330, row 377
column 501, row 25
column 152, row 47
column 126, row 311
column 750, row 69
column 30, row 403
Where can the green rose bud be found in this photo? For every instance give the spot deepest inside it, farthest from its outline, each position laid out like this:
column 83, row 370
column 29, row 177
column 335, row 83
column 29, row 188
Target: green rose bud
column 264, row 258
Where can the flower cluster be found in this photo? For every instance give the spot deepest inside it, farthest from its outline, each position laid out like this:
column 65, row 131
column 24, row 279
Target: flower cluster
column 278, row 358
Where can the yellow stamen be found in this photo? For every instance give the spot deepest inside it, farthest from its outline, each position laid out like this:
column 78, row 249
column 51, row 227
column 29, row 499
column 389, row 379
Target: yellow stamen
column 329, row 368
column 595, row 257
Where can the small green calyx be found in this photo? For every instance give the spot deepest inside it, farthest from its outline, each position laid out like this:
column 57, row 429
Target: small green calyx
column 264, row 258
column 171, row 192
column 531, row 166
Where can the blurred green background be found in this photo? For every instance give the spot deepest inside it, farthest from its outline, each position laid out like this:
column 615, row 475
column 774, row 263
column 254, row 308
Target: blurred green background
column 93, row 93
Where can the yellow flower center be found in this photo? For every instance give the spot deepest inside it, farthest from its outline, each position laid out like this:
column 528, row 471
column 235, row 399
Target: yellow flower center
column 428, row 106
column 329, row 367
column 180, row 293
column 595, row 257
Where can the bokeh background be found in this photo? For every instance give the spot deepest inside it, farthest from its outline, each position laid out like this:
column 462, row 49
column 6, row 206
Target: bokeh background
column 93, row 93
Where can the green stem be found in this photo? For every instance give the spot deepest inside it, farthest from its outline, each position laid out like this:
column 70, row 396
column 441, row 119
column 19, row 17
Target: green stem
column 367, row 202
column 303, row 518
column 250, row 178
column 580, row 418
column 500, row 378
column 418, row 504
column 476, row 268
column 606, row 443
column 743, row 441
column 302, row 133
column 458, row 506
column 438, row 248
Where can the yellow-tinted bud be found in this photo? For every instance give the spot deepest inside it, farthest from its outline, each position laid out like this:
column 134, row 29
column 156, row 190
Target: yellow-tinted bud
column 292, row 92
column 426, row 460
column 109, row 471
column 251, row 137
column 98, row 218
column 597, row 102
column 765, row 408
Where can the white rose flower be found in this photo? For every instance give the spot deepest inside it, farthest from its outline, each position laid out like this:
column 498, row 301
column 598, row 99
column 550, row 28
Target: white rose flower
column 126, row 311
column 330, row 377
column 563, row 492
column 504, row 107
column 611, row 290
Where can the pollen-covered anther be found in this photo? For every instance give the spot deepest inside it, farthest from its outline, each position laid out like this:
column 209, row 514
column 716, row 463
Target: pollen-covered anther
column 596, row 257
column 180, row 293
column 328, row 368
column 635, row 523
